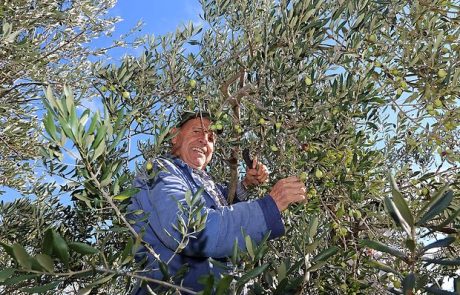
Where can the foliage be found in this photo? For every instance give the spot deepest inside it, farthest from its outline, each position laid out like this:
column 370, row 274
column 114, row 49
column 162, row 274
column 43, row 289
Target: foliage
column 41, row 43
column 362, row 104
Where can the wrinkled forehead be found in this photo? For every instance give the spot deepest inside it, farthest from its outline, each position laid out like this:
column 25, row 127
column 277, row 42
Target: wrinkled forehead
column 198, row 123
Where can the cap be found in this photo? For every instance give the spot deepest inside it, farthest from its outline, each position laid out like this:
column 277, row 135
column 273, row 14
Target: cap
column 187, row 115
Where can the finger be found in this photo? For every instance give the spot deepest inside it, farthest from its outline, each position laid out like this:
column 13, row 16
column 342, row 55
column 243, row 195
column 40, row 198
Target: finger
column 292, row 179
column 262, row 176
column 254, row 163
column 260, row 179
column 251, row 172
column 293, row 185
column 261, row 168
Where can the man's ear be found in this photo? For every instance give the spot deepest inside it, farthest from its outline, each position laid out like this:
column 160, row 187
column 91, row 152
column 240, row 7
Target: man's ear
column 173, row 133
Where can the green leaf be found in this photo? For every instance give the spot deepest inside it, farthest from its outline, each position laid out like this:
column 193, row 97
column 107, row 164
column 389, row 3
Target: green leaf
column 281, row 270
column 46, row 262
column 449, row 219
column 249, row 247
column 358, row 21
column 391, row 209
column 400, row 203
column 6, row 273
column 66, row 128
column 47, row 245
column 127, row 253
column 235, row 253
column 85, row 291
column 312, row 246
column 408, row 284
column 60, row 248
column 224, row 285
column 381, row 266
column 317, row 266
column 325, row 254
column 73, row 122
column 102, row 280
column 69, row 99
column 99, row 150
column 396, row 215
column 435, row 198
column 448, row 262
column 313, row 226
column 84, row 117
column 410, row 244
column 22, row 257
column 41, row 289
column 207, row 282
column 101, row 132
column 117, row 140
column 50, row 127
column 94, row 120
column 49, row 95
column 18, row 279
column 8, row 249
column 126, row 194
column 251, row 274
column 438, row 207
column 383, row 248
column 83, row 248
column 438, row 244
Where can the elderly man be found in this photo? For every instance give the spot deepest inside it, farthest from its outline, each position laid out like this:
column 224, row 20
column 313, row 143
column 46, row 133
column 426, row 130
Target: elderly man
column 183, row 171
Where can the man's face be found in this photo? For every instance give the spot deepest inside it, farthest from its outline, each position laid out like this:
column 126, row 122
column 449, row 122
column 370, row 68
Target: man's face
column 194, row 143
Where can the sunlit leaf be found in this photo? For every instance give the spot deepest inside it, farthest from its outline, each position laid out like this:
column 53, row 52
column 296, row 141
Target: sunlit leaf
column 126, row 194
column 437, row 207
column 383, row 248
column 440, row 243
column 326, row 253
column 401, row 204
column 85, row 291
column 41, row 289
column 448, row 262
column 60, row 248
column 102, row 280
column 249, row 246
column 381, row 266
column 45, row 261
column 252, row 274
column 83, row 248
column 6, row 273
column 22, row 256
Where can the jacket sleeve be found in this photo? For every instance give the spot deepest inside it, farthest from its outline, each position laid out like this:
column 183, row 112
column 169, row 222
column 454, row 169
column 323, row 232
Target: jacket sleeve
column 223, row 225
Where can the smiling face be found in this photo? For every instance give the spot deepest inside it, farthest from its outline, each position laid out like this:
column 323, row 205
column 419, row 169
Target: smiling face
column 194, row 143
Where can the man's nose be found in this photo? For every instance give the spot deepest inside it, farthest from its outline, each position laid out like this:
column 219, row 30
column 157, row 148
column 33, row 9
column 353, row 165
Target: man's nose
column 204, row 137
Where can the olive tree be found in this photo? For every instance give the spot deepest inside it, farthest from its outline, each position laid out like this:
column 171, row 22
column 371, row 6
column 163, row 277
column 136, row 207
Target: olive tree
column 41, row 43
column 357, row 98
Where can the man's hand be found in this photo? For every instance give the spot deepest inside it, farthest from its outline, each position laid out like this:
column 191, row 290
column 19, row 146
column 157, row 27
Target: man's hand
column 256, row 174
column 288, row 190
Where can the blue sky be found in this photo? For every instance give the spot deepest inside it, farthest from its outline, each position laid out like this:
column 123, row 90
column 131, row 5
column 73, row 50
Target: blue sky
column 159, row 17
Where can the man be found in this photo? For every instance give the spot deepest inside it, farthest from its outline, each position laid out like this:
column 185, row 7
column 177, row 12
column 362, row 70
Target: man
column 184, row 170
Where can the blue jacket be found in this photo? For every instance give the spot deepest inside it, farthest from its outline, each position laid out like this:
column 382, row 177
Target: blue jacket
column 158, row 198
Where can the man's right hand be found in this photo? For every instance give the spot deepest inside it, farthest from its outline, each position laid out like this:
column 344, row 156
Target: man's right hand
column 288, row 190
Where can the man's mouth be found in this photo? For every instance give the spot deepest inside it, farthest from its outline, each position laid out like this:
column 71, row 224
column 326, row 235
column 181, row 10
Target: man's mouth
column 199, row 150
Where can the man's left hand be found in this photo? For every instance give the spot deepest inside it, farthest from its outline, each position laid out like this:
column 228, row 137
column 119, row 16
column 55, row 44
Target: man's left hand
column 256, row 174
